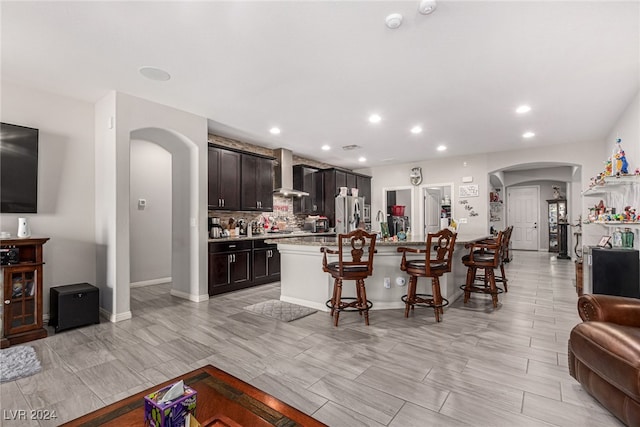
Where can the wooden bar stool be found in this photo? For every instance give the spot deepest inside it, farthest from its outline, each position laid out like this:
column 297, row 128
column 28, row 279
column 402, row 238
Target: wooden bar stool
column 437, row 261
column 504, row 257
column 355, row 262
column 484, row 255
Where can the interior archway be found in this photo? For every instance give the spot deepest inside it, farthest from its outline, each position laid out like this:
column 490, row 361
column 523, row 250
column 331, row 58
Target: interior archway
column 184, row 207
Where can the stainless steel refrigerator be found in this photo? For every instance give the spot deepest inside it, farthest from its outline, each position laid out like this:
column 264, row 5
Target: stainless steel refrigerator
column 349, row 213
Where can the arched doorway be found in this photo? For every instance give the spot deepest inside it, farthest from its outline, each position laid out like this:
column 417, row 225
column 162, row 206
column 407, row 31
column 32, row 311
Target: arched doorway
column 184, row 207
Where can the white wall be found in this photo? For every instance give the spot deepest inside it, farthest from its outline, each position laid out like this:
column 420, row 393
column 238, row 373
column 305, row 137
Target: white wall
column 450, row 169
column 628, row 129
column 150, row 231
column 65, row 182
column 185, row 136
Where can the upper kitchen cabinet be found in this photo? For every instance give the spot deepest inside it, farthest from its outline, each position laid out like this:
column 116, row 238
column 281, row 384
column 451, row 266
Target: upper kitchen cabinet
column 308, row 179
column 363, row 184
column 333, row 179
column 257, row 183
column 224, row 179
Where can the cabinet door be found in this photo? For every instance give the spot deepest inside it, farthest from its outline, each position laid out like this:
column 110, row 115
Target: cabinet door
column 352, row 182
column 260, row 264
column 363, row 184
column 240, row 267
column 218, row 271
column 264, row 184
column 341, row 181
column 215, row 199
column 22, row 313
column 249, row 189
column 274, row 262
column 230, row 179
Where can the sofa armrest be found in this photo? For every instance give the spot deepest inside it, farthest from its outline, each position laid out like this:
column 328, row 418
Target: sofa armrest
column 608, row 308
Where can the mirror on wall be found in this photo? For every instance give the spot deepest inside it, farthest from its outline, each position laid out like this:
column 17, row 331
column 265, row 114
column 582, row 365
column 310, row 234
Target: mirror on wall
column 399, row 204
column 437, row 206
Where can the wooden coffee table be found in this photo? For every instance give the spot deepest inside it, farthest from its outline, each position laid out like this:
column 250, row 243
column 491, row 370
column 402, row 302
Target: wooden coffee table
column 223, row 400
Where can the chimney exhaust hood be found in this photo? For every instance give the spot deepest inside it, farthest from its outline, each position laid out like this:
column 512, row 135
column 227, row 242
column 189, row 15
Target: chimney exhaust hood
column 284, row 174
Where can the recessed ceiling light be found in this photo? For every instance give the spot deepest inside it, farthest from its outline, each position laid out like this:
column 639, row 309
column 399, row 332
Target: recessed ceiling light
column 441, row 147
column 393, row 21
column 154, row 73
column 362, row 159
column 528, row 135
column 416, row 130
column 523, row 109
column 325, row 147
column 275, row 131
column 374, row 118
column 427, row 6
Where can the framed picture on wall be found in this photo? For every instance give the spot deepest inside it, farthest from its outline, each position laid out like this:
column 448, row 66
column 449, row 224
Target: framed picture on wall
column 604, row 241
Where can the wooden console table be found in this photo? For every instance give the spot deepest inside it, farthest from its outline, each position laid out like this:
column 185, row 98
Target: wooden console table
column 223, row 400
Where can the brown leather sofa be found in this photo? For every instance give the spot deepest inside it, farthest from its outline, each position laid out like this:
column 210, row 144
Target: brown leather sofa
column 604, row 353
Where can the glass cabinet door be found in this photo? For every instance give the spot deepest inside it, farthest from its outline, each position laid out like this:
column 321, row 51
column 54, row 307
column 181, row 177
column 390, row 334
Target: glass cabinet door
column 553, row 218
column 20, row 303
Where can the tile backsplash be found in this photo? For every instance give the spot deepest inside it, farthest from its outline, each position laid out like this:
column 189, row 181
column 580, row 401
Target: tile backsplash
column 282, row 211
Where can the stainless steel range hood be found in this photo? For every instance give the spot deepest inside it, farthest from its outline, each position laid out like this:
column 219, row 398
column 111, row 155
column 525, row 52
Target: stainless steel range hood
column 284, row 174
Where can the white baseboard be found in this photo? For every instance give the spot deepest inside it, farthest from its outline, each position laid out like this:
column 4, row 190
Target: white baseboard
column 305, row 303
column 160, row 281
column 190, row 297
column 115, row 317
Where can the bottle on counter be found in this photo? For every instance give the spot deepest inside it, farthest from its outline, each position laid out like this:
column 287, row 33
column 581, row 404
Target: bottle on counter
column 617, row 238
column 627, row 238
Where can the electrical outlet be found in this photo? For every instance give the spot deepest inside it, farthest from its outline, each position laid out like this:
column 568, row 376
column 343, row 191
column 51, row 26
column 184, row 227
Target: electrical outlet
column 387, row 282
column 462, row 220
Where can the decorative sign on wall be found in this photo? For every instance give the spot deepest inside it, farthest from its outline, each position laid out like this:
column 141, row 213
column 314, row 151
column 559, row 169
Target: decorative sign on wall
column 470, row 190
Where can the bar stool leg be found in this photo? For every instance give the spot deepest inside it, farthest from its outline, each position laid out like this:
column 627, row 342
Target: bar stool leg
column 337, row 301
column 437, row 297
column 504, row 277
column 359, row 304
column 471, row 276
column 334, row 296
column 364, row 306
column 492, row 286
column 411, row 295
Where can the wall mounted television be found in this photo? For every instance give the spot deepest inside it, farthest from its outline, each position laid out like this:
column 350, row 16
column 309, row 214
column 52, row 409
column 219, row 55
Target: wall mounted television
column 18, row 169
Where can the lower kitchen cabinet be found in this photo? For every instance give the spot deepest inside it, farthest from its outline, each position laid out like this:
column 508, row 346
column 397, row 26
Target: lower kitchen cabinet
column 266, row 263
column 242, row 264
column 229, row 266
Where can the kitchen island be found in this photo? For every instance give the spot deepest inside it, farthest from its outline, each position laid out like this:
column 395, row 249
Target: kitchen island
column 303, row 282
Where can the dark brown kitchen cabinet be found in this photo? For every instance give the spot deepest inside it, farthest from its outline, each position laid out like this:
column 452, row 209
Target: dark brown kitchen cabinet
column 257, row 183
column 310, row 180
column 21, row 291
column 229, row 266
column 333, row 179
column 363, row 184
column 266, row 263
column 224, row 179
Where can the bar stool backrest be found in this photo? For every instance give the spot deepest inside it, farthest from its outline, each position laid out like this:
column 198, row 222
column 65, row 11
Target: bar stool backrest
column 355, row 251
column 439, row 250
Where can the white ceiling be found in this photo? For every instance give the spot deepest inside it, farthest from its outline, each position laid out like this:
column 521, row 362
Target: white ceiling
column 318, row 69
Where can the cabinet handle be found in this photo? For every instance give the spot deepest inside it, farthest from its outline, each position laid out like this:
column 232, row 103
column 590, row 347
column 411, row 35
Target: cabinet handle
column 234, row 257
column 223, row 203
column 219, row 202
column 232, row 246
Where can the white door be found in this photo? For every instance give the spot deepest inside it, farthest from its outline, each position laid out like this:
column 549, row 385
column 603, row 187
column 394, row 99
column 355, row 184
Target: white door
column 523, row 211
column 432, row 210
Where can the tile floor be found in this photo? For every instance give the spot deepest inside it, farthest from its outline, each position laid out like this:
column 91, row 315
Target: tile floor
column 480, row 366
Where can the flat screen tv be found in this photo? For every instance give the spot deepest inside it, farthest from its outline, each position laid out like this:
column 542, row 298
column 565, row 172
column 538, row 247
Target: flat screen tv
column 18, row 169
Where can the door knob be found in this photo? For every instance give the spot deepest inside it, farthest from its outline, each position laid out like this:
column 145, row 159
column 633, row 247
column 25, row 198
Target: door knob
column 7, row 301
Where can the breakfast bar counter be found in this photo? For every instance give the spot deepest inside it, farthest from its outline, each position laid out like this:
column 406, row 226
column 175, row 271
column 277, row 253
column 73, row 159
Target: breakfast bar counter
column 303, row 282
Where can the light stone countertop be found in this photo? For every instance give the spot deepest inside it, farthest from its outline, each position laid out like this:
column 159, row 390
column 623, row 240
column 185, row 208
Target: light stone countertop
column 418, row 240
column 271, row 236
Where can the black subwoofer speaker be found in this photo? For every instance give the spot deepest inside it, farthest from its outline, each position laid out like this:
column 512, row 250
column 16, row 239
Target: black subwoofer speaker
column 74, row 305
column 616, row 272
